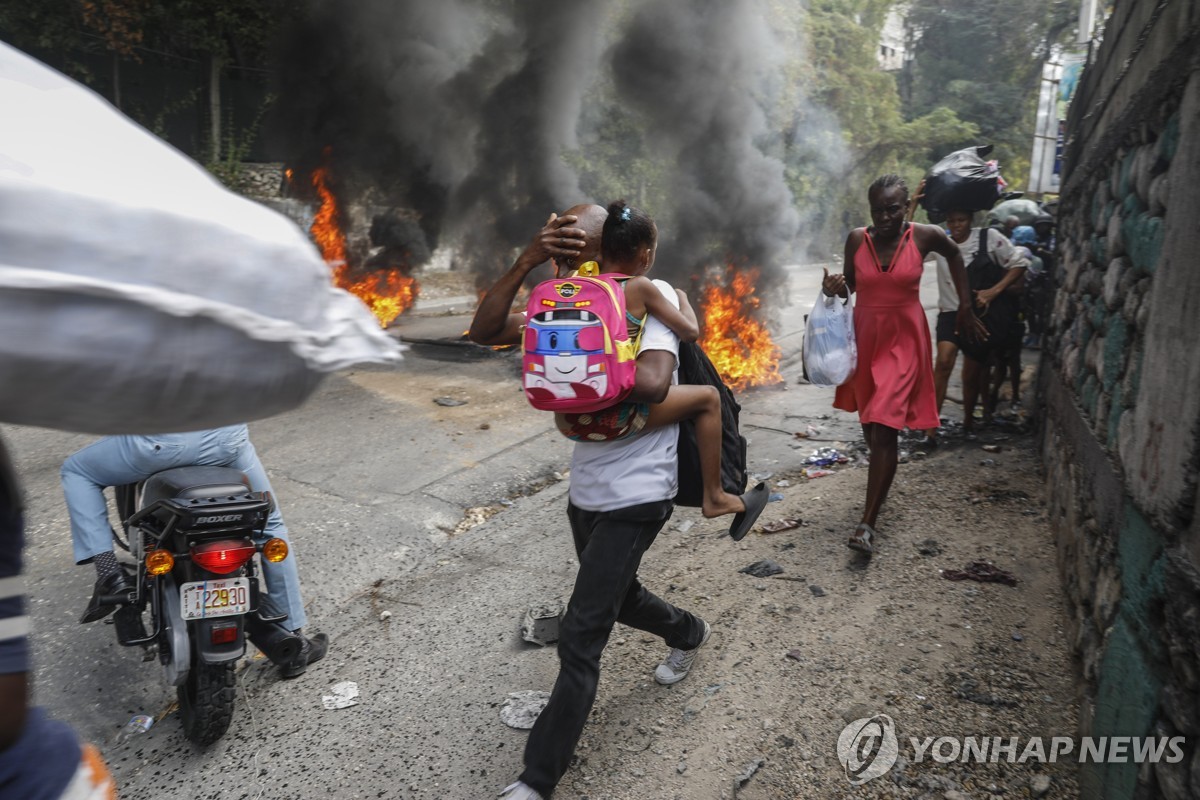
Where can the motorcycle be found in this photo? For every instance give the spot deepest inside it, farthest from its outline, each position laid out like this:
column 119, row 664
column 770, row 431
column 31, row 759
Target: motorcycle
column 193, row 532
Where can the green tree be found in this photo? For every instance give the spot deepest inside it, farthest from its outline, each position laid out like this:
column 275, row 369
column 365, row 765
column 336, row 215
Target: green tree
column 984, row 60
column 51, row 26
column 840, row 39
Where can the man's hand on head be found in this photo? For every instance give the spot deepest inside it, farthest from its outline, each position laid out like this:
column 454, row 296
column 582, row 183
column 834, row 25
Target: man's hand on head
column 557, row 240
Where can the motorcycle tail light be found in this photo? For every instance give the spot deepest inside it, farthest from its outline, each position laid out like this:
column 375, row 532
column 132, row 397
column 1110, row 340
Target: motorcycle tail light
column 224, row 633
column 275, row 550
column 159, row 562
column 224, row 556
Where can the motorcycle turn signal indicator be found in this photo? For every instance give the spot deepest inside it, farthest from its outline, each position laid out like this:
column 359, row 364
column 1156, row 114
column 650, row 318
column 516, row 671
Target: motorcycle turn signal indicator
column 159, row 562
column 275, row 550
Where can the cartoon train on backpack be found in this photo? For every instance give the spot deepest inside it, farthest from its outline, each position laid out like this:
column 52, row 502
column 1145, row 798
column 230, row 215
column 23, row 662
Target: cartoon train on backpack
column 578, row 356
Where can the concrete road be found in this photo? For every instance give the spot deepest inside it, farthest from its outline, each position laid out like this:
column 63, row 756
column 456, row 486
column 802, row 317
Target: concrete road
column 379, row 486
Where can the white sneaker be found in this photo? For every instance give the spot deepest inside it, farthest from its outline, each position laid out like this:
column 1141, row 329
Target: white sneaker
column 678, row 663
column 519, row 791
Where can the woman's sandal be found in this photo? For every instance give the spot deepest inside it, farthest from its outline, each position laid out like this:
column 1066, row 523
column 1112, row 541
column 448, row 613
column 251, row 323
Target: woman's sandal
column 860, row 540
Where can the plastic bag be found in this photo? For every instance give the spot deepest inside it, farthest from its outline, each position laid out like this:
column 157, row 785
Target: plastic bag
column 137, row 295
column 962, row 181
column 1026, row 211
column 830, row 354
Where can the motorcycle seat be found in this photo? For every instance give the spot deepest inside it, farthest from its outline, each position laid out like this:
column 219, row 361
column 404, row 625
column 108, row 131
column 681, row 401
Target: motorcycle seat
column 193, row 483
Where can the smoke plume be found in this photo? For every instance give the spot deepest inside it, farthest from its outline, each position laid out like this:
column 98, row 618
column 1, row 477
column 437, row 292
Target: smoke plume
column 696, row 70
column 462, row 112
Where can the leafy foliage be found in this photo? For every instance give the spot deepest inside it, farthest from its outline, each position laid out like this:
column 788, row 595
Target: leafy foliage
column 984, row 59
column 875, row 135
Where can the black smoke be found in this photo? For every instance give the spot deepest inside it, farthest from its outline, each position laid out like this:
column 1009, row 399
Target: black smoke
column 698, row 72
column 461, row 112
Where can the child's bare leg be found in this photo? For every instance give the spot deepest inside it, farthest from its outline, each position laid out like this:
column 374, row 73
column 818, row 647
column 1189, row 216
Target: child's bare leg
column 702, row 404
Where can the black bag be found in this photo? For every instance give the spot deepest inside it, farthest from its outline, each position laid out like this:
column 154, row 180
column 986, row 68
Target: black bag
column 697, row 370
column 1002, row 315
column 962, row 181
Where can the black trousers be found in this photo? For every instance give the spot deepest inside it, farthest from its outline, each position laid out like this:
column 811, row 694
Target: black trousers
column 610, row 545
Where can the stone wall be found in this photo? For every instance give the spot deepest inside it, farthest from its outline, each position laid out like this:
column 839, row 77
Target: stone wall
column 1120, row 383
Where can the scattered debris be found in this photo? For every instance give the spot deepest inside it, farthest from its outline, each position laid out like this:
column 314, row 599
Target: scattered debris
column 1001, row 495
column 816, row 590
column 967, row 688
column 384, row 616
column 795, row 655
column 811, row 472
column 991, row 448
column 783, row 484
column 929, row 547
column 825, row 457
column 801, row 434
column 449, row 402
column 685, row 525
column 762, row 569
column 988, row 462
column 541, row 624
column 748, row 773
column 1016, row 637
column 785, row 524
column 695, row 705
column 775, row 497
column 981, row 571
column 485, row 427
column 521, row 709
column 475, row 516
column 137, row 725
column 342, row 695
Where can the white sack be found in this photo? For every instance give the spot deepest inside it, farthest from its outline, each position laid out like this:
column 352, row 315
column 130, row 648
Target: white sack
column 830, row 353
column 139, row 295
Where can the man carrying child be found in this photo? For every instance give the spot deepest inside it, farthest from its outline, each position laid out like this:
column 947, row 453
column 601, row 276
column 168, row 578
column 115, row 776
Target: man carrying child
column 620, row 497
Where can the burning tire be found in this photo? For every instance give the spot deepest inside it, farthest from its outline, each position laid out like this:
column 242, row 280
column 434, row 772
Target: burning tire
column 206, row 701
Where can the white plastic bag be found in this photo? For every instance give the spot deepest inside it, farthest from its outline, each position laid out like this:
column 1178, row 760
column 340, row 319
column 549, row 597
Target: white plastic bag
column 136, row 293
column 830, row 355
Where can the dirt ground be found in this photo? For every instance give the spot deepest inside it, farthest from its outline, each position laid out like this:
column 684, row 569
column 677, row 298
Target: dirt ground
column 834, row 637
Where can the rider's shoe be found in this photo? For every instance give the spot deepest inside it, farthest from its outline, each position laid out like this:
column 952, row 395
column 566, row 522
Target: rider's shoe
column 116, row 583
column 275, row 641
column 313, row 649
column 129, row 624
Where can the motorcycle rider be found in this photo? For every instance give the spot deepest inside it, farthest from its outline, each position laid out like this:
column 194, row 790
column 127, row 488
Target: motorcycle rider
column 118, row 460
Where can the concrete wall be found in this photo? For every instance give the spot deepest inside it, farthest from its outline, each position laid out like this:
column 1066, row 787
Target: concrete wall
column 1120, row 382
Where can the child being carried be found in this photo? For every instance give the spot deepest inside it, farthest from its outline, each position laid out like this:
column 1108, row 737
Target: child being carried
column 627, row 249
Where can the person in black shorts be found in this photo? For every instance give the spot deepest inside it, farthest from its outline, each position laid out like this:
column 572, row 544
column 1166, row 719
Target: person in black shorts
column 958, row 224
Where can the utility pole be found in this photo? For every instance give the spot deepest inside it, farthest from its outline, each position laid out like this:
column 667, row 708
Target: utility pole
column 1087, row 21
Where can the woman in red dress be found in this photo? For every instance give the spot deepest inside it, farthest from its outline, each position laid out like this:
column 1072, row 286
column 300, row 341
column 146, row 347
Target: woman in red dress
column 892, row 387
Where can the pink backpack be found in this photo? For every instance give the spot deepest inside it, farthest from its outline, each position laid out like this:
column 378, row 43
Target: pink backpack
column 578, row 354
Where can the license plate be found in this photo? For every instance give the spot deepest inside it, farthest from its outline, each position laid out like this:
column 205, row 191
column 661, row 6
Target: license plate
column 217, row 598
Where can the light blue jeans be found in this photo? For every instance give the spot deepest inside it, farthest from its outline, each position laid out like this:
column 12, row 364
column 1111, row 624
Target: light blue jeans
column 117, row 460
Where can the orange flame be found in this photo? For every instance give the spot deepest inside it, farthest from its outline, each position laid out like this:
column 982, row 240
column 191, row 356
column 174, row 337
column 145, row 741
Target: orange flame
column 735, row 341
column 387, row 294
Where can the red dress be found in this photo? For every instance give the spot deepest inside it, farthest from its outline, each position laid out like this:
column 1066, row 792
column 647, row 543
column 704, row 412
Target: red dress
column 893, row 384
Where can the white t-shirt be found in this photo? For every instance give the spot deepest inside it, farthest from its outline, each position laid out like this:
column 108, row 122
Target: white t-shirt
column 606, row 476
column 1000, row 249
